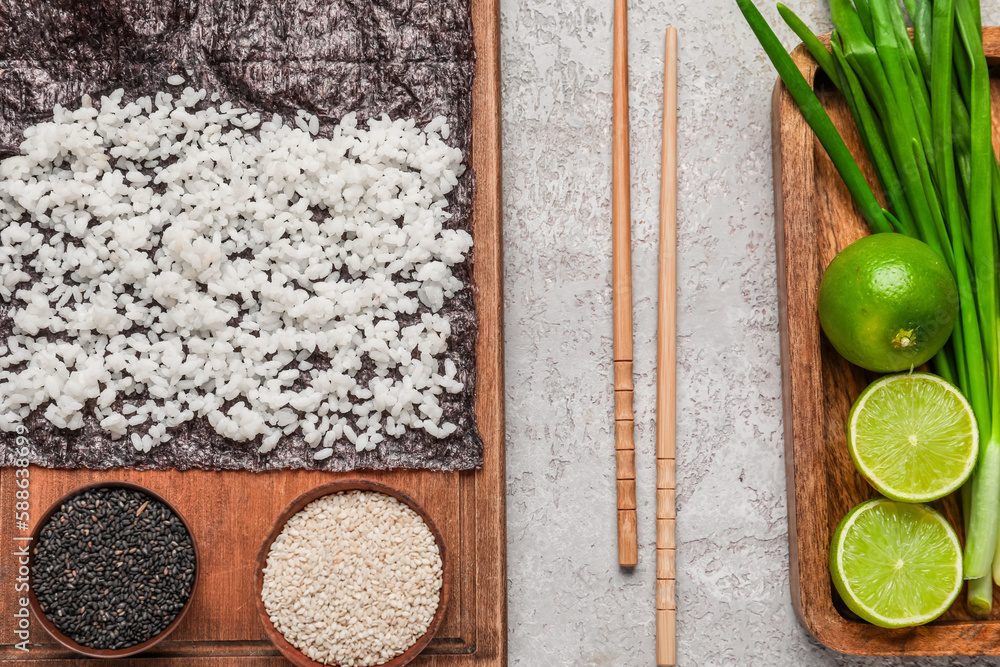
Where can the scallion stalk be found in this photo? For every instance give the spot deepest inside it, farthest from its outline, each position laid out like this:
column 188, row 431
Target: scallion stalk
column 985, row 510
column 923, row 35
column 873, row 136
column 812, row 43
column 816, row 116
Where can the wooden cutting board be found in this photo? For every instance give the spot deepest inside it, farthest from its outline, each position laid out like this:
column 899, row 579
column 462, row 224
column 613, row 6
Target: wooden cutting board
column 815, row 219
column 231, row 512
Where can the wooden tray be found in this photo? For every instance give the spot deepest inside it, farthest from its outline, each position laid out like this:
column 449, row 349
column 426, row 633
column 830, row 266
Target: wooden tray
column 231, row 512
column 815, row 219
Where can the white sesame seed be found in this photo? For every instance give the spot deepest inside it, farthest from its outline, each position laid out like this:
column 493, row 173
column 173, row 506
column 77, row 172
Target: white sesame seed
column 353, row 578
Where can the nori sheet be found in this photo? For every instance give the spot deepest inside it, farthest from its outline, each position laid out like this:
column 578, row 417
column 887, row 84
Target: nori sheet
column 404, row 58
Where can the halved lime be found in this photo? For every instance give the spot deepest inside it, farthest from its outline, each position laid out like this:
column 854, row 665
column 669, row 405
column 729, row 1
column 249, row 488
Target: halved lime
column 896, row 564
column 913, row 437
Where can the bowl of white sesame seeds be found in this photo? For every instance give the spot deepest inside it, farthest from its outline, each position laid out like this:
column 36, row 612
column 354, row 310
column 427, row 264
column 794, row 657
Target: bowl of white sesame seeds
column 352, row 573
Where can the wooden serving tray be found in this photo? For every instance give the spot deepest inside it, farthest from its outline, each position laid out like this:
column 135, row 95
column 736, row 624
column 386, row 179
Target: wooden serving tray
column 815, row 219
column 231, row 512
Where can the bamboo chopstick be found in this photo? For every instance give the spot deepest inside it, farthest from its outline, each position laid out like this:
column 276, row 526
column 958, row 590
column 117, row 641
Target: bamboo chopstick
column 621, row 270
column 666, row 372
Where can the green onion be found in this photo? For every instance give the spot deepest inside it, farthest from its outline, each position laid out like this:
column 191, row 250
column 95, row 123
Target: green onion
column 817, row 118
column 874, row 138
column 980, row 543
column 864, row 15
column 980, row 598
column 940, row 241
column 812, row 43
column 904, row 129
column 917, row 89
column 966, row 338
column 859, row 50
column 922, row 35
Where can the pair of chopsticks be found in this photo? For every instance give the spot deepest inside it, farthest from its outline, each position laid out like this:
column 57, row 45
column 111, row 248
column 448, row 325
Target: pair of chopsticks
column 666, row 368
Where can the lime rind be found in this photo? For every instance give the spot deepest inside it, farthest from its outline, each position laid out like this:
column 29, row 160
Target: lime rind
column 903, row 474
column 879, row 582
column 887, row 302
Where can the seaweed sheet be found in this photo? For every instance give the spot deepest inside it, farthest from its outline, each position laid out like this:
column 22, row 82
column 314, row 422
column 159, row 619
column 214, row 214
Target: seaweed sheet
column 404, row 58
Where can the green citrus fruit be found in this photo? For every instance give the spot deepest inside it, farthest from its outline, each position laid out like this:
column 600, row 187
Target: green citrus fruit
column 887, row 302
column 896, row 564
column 913, row 437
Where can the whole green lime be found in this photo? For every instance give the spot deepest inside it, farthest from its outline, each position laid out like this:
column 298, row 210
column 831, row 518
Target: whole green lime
column 888, row 302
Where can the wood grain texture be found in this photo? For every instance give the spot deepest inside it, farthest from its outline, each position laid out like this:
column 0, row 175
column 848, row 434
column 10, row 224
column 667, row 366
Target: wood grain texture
column 666, row 629
column 231, row 511
column 666, row 369
column 815, row 219
column 621, row 280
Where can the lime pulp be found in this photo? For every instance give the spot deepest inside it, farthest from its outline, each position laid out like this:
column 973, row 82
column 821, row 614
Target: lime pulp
column 896, row 564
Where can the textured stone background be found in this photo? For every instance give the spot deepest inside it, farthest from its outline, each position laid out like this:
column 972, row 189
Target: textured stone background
column 569, row 602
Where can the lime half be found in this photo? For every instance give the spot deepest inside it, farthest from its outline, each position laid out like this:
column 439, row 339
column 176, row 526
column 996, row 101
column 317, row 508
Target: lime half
column 896, row 564
column 913, row 437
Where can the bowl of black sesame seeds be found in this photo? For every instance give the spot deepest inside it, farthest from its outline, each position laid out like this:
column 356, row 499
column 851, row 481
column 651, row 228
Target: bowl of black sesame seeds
column 113, row 569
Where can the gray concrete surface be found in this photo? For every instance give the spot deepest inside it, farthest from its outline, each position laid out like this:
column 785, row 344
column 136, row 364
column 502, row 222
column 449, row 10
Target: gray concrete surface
column 569, row 602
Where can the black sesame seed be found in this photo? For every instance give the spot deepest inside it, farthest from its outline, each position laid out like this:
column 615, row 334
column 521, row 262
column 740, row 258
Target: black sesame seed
column 88, row 576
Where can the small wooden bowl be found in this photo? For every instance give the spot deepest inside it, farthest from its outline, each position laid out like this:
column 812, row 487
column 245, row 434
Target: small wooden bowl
column 293, row 654
column 48, row 625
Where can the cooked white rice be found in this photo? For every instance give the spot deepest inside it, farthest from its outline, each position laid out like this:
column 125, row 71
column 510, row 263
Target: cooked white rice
column 201, row 268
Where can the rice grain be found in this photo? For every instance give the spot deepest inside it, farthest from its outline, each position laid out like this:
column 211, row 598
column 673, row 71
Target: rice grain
column 248, row 282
